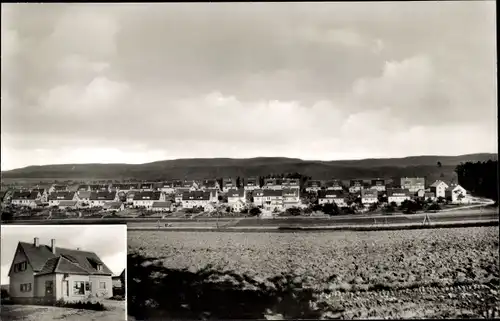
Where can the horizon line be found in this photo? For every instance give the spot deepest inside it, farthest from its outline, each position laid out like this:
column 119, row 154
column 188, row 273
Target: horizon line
column 248, row 158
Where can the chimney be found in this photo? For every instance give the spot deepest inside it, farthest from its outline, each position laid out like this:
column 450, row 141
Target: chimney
column 53, row 246
column 36, row 242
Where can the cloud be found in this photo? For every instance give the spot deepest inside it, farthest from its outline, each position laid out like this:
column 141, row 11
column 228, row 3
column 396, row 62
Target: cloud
column 140, row 82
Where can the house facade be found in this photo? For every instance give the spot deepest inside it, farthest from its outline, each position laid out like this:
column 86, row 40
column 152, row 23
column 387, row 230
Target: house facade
column 57, row 188
column 251, row 184
column 355, row 186
column 195, row 199
column 99, row 188
column 334, row 185
column 41, row 273
column 236, row 198
column 378, row 185
column 332, row 196
column 162, row 206
column 146, row 199
column 99, row 199
column 228, row 184
column 369, row 196
column 398, row 195
column 125, row 187
column 291, row 197
column 258, row 198
column 272, row 184
column 210, row 184
column 167, row 187
column 56, row 197
column 439, row 188
column 291, row 183
column 457, row 194
column 413, row 184
column 273, row 200
column 313, row 186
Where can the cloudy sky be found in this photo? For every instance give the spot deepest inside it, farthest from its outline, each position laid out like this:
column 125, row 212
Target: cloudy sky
column 89, row 238
column 133, row 83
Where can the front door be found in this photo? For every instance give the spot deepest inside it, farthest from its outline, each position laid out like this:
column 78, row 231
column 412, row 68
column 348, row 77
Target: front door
column 49, row 288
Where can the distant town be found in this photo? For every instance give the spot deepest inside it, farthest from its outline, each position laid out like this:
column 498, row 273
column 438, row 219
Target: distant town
column 230, row 196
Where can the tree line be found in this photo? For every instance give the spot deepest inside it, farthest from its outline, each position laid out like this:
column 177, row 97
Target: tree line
column 480, row 178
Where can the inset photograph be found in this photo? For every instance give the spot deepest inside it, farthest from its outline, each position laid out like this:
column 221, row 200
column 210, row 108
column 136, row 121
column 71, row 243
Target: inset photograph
column 63, row 272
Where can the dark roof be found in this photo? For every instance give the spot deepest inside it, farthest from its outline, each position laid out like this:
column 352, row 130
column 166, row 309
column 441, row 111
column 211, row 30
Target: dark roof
column 270, row 192
column 369, row 193
column 60, row 187
column 64, row 261
column 313, row 183
column 126, row 186
column 331, row 194
column 67, row 203
column 113, row 205
column 197, row 195
column 24, row 195
column 356, row 182
column 378, row 181
column 402, row 191
column 39, row 190
column 104, row 195
column 147, row 185
column 83, row 187
column 333, row 182
column 84, row 194
column 162, row 204
column 65, row 195
column 147, row 196
column 236, row 192
column 290, row 192
column 251, row 180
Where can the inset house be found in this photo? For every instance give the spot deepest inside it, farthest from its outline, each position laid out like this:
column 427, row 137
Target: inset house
column 41, row 273
column 439, row 188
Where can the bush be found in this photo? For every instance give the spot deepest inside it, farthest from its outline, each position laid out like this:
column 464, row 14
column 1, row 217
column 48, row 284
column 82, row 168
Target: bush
column 254, row 211
column 434, row 207
column 331, row 209
column 96, row 306
column 294, row 211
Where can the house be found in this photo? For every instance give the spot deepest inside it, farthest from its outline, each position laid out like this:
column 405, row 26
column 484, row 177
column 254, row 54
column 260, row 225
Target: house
column 355, row 186
column 195, row 199
column 235, row 198
column 228, row 184
column 83, row 187
column 313, row 186
column 258, row 197
column 58, row 188
column 165, row 206
column 332, row 196
column 98, row 199
column 378, row 184
column 214, row 194
column 272, row 183
column 210, row 184
column 273, row 199
column 178, row 197
column 429, row 196
column 56, row 197
column 147, row 187
column 99, row 188
column 43, row 193
column 439, row 188
column 25, row 198
column 42, row 273
column 291, row 197
column 457, row 194
column 413, row 184
column 177, row 184
column 113, row 207
column 126, row 187
column 190, row 185
column 68, row 204
column 146, row 199
column 369, row 196
column 334, row 185
column 398, row 195
column 167, row 187
column 119, row 280
column 251, row 183
column 420, row 193
column 291, row 183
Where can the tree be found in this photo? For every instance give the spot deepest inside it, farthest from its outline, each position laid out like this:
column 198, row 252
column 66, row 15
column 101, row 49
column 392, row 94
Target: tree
column 317, row 207
column 255, row 211
column 439, row 164
column 238, row 182
column 479, row 178
column 293, row 211
column 331, row 209
column 373, row 207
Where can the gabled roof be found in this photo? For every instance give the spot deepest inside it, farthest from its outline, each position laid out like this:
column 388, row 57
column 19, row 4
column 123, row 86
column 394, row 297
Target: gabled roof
column 146, row 196
column 64, row 195
column 61, row 264
column 162, row 204
column 436, row 183
column 369, row 193
column 196, row 196
column 314, row 183
column 24, row 195
column 272, row 193
column 60, row 187
column 236, row 192
column 67, row 203
column 290, row 192
column 102, row 196
column 331, row 194
column 83, row 187
column 83, row 194
column 398, row 192
column 333, row 182
column 252, row 181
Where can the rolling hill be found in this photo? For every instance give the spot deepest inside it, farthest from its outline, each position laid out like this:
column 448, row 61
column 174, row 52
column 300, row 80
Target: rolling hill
column 200, row 168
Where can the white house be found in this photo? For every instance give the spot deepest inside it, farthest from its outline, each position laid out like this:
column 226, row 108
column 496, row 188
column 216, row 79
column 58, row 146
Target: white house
column 332, row 196
column 356, row 185
column 228, row 184
column 378, row 185
column 273, row 200
column 56, row 197
column 190, row 185
column 195, row 199
column 258, row 197
column 313, row 186
column 146, row 199
column 57, row 188
column 291, row 183
column 68, row 204
column 214, row 194
column 369, row 196
column 99, row 188
column 457, row 194
column 398, row 195
column 125, row 187
column 413, row 184
column 272, row 184
column 334, row 185
column 167, row 187
column 162, row 206
column 147, row 187
column 25, row 198
column 291, row 197
column 99, row 199
column 439, row 188
column 43, row 194
column 83, row 197
column 251, row 184
column 210, row 184
column 235, row 197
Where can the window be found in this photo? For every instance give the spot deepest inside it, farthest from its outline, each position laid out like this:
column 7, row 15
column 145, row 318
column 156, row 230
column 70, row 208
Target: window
column 79, row 288
column 102, row 285
column 88, row 286
column 49, row 287
column 19, row 267
column 26, row 287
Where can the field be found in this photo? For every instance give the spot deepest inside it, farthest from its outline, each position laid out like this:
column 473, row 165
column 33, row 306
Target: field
column 115, row 312
column 413, row 273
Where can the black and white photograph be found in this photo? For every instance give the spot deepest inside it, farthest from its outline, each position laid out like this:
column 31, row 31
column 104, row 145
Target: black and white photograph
column 270, row 160
column 63, row 272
